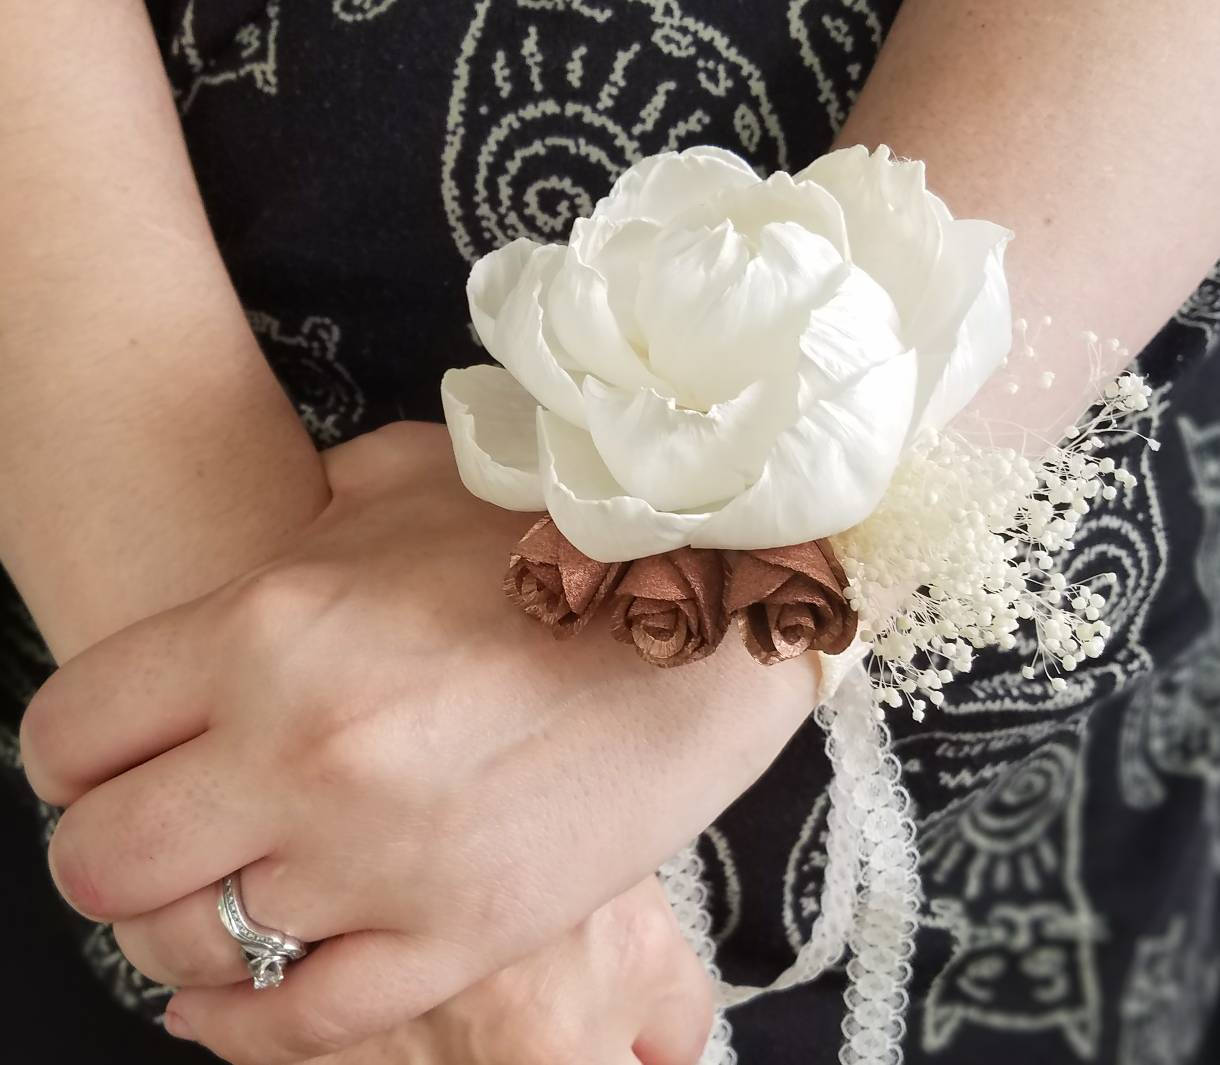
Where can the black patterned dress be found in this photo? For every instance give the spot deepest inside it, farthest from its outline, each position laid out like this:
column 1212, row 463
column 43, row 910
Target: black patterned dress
column 356, row 156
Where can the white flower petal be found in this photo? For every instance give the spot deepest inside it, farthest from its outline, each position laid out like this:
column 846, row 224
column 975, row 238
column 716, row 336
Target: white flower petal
column 829, row 471
column 617, row 250
column 956, row 281
column 492, row 421
column 963, row 330
column 687, row 277
column 777, row 199
column 589, row 506
column 662, row 186
column 855, row 329
column 940, row 209
column 893, row 225
column 520, row 341
column 578, row 309
column 679, row 459
column 491, row 279
column 717, row 316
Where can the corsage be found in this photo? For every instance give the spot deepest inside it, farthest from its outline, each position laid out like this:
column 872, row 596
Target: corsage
column 731, row 396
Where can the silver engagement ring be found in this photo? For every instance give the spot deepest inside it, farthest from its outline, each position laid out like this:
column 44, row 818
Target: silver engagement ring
column 267, row 951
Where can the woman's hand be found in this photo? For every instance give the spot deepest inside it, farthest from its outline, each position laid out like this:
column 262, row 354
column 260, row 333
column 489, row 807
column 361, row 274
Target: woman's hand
column 402, row 765
column 621, row 989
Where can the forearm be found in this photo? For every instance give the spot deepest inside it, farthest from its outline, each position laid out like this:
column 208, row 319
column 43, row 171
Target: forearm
column 1089, row 128
column 147, row 452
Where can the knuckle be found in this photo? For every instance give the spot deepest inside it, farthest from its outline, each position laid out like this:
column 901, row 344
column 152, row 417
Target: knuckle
column 393, row 454
column 275, row 605
column 384, row 448
column 335, row 742
column 73, row 872
column 41, row 746
column 336, row 754
column 646, row 934
column 335, row 751
column 45, row 742
column 387, row 442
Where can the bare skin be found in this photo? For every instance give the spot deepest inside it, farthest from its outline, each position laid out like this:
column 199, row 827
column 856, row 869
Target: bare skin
column 1106, row 197
column 134, row 399
column 134, row 392
column 480, row 798
column 1089, row 129
column 523, row 1016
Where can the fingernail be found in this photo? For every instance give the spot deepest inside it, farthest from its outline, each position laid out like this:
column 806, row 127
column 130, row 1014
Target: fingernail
column 176, row 1025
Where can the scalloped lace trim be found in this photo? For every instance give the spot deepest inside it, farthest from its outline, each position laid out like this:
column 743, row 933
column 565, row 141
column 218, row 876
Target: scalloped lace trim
column 870, row 896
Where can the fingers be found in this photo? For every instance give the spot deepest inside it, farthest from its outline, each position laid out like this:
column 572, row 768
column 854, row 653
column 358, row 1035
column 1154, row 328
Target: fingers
column 179, row 945
column 347, row 990
column 414, row 1043
column 623, row 977
column 184, row 944
column 162, row 831
column 679, row 1020
column 124, row 700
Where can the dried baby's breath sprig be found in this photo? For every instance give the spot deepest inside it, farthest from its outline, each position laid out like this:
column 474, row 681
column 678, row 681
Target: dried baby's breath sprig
column 965, row 549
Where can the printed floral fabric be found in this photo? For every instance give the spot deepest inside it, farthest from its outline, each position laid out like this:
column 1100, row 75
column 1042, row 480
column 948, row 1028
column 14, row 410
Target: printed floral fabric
column 357, row 156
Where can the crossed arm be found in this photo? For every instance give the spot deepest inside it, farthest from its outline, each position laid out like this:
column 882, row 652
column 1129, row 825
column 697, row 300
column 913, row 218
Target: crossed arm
column 147, row 454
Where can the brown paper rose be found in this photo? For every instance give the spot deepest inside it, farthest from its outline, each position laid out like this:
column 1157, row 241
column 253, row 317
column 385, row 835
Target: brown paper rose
column 789, row 600
column 554, row 582
column 671, row 606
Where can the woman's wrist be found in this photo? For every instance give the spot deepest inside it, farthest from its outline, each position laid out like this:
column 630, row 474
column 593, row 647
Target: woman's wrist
column 147, row 453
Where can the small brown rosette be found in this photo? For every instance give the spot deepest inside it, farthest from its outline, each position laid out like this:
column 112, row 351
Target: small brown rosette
column 671, row 606
column 554, row 582
column 789, row 600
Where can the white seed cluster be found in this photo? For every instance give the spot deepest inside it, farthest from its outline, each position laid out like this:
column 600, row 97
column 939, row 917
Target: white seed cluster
column 966, row 547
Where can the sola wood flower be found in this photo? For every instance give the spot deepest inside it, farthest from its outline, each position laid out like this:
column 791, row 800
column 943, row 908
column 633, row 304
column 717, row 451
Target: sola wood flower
column 671, row 606
column 789, row 600
column 721, row 361
column 554, row 582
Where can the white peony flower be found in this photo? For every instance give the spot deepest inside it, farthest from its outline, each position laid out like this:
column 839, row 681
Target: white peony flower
column 719, row 360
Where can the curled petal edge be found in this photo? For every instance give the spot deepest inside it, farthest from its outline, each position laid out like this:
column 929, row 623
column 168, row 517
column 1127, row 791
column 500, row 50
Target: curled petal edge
column 591, row 509
column 520, row 341
column 661, row 186
column 829, row 471
column 491, row 280
column 491, row 423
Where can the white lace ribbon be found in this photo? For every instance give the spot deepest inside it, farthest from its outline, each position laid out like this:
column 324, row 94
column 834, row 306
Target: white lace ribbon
column 870, row 895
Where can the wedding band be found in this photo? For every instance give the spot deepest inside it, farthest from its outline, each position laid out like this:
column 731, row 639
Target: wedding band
column 267, row 951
